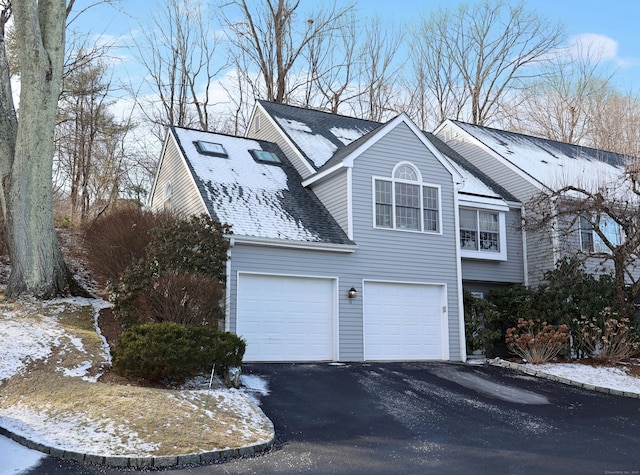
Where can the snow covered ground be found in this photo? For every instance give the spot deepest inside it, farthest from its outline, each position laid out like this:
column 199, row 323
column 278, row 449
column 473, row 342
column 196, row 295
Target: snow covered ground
column 606, row 377
column 28, row 340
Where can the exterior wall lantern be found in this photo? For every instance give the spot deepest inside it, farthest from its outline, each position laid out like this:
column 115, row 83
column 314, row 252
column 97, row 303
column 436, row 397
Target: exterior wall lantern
column 353, row 293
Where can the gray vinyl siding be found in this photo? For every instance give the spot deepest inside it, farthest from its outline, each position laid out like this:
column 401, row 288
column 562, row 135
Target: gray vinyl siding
column 540, row 246
column 510, row 271
column 267, row 131
column 400, row 255
column 185, row 197
column 333, row 194
column 384, row 255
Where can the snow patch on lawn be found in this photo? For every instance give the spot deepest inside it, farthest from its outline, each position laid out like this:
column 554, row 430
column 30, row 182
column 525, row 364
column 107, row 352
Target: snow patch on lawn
column 602, row 376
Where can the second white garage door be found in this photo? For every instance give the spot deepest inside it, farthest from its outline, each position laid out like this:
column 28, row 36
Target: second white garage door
column 403, row 321
column 286, row 318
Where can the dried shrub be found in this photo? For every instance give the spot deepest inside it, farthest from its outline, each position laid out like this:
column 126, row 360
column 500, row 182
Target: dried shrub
column 606, row 338
column 116, row 241
column 197, row 246
column 173, row 352
column 180, row 297
column 537, row 342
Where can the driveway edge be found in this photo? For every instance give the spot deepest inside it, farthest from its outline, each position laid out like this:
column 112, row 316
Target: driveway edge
column 541, row 374
column 143, row 461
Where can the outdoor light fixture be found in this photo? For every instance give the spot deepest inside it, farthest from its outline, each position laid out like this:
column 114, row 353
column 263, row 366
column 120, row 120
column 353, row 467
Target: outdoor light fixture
column 352, row 293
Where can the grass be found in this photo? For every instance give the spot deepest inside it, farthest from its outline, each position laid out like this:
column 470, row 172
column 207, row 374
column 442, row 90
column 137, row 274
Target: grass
column 129, row 419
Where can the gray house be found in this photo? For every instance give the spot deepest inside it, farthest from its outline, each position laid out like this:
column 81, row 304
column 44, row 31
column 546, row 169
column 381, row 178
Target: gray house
column 526, row 166
column 351, row 239
column 319, row 145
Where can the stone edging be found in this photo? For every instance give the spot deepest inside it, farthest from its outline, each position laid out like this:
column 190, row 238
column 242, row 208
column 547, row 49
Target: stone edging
column 541, row 374
column 138, row 462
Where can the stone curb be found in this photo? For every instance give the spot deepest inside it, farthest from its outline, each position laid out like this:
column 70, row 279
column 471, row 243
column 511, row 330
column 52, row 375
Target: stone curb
column 140, row 462
column 541, row 374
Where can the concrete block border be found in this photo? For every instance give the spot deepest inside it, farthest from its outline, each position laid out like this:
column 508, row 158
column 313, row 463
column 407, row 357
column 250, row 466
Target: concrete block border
column 541, row 374
column 141, row 462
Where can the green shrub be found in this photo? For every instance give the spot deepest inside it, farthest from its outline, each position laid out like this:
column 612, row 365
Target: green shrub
column 568, row 295
column 174, row 352
column 480, row 318
column 194, row 246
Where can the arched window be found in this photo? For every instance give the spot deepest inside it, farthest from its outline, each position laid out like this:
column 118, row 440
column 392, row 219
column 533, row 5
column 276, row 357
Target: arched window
column 404, row 202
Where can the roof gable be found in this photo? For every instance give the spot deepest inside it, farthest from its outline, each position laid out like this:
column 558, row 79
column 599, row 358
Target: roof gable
column 328, row 142
column 259, row 200
column 318, row 135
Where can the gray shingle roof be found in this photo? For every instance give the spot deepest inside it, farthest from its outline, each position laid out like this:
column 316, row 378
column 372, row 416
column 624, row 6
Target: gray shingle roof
column 549, row 162
column 467, row 165
column 319, row 135
column 260, row 200
column 299, row 124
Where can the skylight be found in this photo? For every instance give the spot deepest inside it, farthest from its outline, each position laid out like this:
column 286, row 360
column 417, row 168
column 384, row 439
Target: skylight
column 210, row 148
column 265, row 156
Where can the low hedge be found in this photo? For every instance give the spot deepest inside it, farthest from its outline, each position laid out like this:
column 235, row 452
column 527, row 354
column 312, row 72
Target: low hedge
column 174, row 352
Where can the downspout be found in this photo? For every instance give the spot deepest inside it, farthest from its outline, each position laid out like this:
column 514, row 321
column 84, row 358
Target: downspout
column 555, row 235
column 456, row 215
column 525, row 257
column 227, row 291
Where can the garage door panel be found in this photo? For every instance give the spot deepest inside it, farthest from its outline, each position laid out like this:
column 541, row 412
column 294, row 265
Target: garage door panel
column 403, row 321
column 285, row 318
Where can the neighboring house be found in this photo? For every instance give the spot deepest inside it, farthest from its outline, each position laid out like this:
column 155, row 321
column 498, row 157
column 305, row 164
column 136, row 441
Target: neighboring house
column 526, row 166
column 346, row 236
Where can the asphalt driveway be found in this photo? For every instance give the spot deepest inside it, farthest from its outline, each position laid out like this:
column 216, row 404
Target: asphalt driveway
column 429, row 418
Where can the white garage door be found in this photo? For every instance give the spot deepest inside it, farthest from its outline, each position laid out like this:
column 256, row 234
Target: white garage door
column 286, row 318
column 403, row 321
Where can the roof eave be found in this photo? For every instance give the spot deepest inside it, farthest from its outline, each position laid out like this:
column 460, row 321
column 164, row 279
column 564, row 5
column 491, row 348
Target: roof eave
column 308, row 245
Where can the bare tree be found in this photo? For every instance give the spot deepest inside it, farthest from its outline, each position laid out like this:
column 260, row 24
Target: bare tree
column 88, row 140
column 333, row 61
column 598, row 221
column 435, row 84
column 485, row 49
column 179, row 55
column 271, row 41
column 37, row 266
column 378, row 75
column 616, row 124
column 565, row 102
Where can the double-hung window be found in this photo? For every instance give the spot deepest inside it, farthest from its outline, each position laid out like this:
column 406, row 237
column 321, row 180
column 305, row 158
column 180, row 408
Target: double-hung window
column 589, row 239
column 479, row 230
column 405, row 203
column 483, row 233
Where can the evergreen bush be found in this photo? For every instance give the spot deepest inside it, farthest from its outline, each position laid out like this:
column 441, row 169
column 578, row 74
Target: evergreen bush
column 173, row 352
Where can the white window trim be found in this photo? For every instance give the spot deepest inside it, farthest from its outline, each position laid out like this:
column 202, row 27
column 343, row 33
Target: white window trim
column 419, row 183
column 596, row 239
column 501, row 255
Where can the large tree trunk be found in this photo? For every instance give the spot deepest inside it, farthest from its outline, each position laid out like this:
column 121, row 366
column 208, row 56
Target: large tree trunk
column 37, row 265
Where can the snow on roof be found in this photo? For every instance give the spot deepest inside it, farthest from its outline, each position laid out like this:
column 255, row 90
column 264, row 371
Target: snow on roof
column 473, row 185
column 322, row 135
column 346, row 135
column 257, row 199
column 315, row 146
column 553, row 164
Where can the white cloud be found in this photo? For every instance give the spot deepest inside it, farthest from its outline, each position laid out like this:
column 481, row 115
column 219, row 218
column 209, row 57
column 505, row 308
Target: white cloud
column 593, row 45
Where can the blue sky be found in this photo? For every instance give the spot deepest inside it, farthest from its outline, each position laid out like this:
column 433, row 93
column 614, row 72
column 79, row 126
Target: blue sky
column 615, row 22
